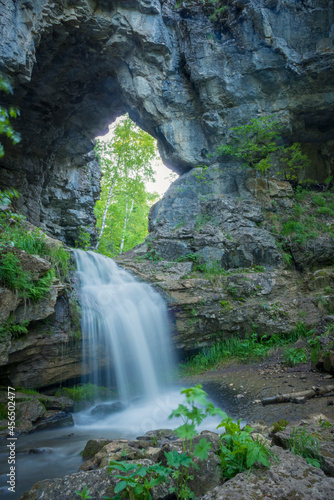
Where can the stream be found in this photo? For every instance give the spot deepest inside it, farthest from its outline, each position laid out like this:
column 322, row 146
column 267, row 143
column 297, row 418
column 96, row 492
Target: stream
column 56, row 453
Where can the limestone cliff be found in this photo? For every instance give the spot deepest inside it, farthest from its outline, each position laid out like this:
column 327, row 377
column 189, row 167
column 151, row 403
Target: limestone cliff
column 181, row 77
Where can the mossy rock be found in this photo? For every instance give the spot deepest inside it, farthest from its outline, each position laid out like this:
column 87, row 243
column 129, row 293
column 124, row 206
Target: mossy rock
column 93, row 446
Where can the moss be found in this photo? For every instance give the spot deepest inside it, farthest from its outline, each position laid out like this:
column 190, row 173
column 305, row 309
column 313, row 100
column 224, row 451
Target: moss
column 280, row 425
column 75, row 317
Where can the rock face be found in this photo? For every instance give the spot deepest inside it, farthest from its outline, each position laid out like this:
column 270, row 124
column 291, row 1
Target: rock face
column 181, row 77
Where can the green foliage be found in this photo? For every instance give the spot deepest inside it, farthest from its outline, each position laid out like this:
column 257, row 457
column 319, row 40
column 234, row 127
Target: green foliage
column 310, row 217
column 225, row 305
column 83, row 240
column 217, row 7
column 239, row 451
column 256, row 142
column 122, row 211
column 11, row 329
column 84, row 494
column 294, row 356
column 280, row 425
column 6, row 115
column 14, row 277
column 136, row 481
column 14, row 232
column 302, row 443
column 247, row 350
column 84, row 393
column 192, row 412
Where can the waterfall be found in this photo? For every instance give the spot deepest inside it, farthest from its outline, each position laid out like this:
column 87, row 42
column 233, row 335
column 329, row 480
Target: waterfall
column 125, row 330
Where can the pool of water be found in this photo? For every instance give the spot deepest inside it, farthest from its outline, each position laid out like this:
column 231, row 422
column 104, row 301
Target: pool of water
column 56, row 453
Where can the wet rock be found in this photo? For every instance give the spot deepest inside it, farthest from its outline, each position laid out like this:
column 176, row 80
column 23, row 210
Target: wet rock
column 292, row 477
column 109, row 408
column 93, row 446
column 53, row 419
column 37, row 412
column 27, row 414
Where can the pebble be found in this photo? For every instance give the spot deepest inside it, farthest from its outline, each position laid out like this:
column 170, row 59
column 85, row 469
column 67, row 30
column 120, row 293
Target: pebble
column 328, row 376
column 240, row 396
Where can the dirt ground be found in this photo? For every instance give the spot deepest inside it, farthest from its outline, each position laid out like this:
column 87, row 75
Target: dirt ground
column 238, row 389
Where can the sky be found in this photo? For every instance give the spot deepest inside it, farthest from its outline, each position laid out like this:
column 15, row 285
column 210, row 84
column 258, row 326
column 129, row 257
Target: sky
column 163, row 175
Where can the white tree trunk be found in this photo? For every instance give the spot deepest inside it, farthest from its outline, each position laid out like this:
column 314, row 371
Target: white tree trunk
column 126, row 220
column 103, row 225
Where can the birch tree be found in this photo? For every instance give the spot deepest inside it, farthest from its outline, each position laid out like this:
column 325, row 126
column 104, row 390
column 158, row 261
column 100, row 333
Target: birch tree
column 126, row 165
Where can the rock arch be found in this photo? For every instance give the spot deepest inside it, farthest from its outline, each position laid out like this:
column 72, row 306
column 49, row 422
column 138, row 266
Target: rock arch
column 78, row 64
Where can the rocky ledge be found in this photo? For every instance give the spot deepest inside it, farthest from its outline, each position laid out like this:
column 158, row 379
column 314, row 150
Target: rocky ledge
column 289, row 476
column 36, row 412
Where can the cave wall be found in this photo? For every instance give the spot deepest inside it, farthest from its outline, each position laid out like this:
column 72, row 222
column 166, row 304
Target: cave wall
column 76, row 65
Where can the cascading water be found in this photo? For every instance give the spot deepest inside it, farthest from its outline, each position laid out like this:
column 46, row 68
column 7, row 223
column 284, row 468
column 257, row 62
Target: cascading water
column 125, row 328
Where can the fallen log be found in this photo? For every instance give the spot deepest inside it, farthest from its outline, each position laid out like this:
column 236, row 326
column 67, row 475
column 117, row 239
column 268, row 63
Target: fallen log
column 298, row 397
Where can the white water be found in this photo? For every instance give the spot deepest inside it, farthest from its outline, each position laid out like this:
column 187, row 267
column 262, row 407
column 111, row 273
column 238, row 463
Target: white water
column 124, row 328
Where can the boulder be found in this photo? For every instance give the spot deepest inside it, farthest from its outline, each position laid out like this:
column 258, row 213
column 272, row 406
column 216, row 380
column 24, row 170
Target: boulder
column 291, row 478
column 321, row 429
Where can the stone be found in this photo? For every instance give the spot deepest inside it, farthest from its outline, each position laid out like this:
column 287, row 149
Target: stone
column 99, row 484
column 27, row 414
column 53, row 419
column 292, row 477
column 8, row 302
column 108, row 408
column 320, row 427
column 93, row 446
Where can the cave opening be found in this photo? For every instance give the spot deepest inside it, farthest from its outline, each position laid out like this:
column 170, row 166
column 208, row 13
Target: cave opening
column 134, row 178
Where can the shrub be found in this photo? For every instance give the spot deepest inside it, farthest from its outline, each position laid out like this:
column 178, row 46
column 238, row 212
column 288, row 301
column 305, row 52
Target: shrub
column 256, row 142
column 239, row 451
column 294, row 356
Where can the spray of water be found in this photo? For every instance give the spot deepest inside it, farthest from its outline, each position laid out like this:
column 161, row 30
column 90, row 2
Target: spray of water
column 125, row 328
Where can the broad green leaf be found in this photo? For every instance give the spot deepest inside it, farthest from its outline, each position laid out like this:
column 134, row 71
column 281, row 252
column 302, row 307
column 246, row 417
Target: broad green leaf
column 120, row 486
column 186, row 431
column 202, row 448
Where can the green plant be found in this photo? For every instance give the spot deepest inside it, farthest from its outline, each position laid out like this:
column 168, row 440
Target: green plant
column 239, row 451
column 15, row 278
column 83, row 240
column 248, row 349
column 6, row 115
column 84, row 393
column 280, row 425
column 136, row 481
column 325, row 424
column 302, row 443
column 225, row 305
column 287, row 258
column 84, row 494
column 293, row 356
column 256, row 142
column 192, row 415
column 258, row 269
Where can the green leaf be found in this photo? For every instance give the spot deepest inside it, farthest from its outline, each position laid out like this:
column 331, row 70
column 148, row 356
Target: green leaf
column 186, row 431
column 120, row 486
column 202, row 448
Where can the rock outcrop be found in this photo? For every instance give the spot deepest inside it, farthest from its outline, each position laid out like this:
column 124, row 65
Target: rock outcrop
column 183, row 78
column 289, row 476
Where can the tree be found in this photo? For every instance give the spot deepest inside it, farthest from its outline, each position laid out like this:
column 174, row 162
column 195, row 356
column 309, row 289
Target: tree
column 257, row 141
column 124, row 204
